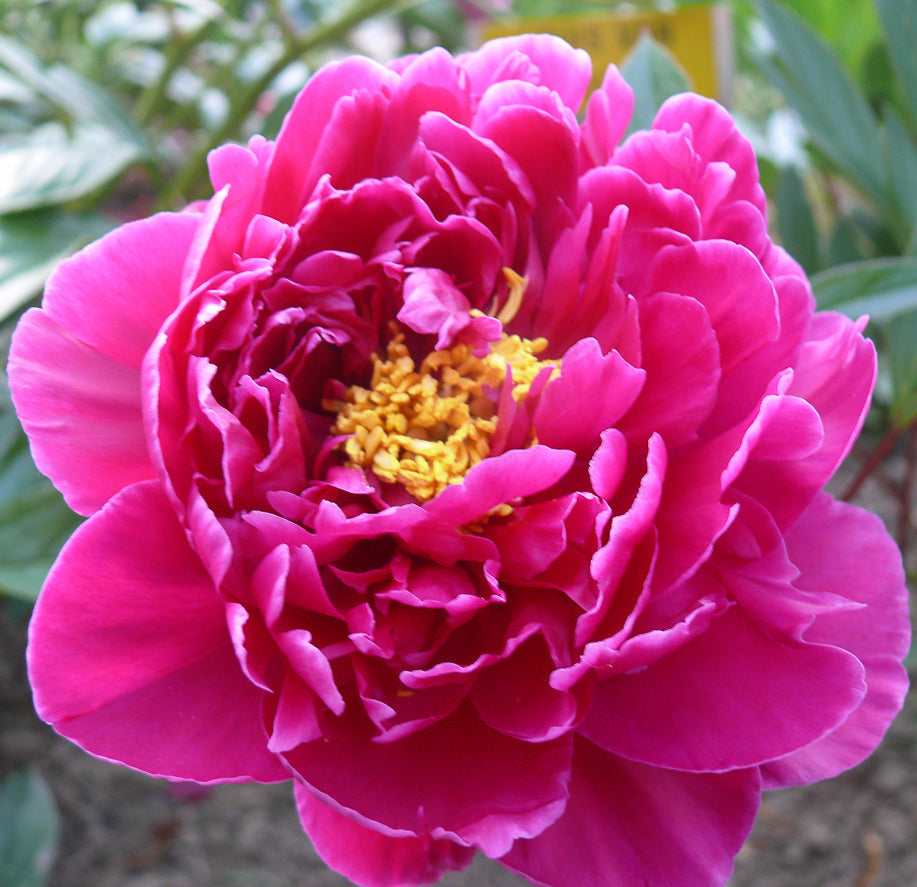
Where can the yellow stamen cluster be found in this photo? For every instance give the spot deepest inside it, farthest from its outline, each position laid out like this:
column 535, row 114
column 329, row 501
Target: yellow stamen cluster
column 425, row 427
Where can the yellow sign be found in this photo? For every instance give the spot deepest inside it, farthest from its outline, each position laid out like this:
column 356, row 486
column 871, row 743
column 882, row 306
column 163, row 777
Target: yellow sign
column 699, row 37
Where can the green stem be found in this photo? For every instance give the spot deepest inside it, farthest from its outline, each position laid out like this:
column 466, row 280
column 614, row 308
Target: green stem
column 179, row 50
column 242, row 106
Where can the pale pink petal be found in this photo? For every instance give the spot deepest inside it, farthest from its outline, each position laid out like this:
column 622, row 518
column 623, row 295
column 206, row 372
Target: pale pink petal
column 628, row 823
column 130, row 656
column 372, row 859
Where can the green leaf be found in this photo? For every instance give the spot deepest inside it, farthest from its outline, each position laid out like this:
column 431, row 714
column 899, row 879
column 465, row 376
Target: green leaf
column 31, row 244
column 29, row 830
column 654, row 75
column 35, row 521
column 795, row 221
column 902, row 358
column 63, row 88
column 881, row 288
column 49, row 166
column 899, row 18
column 901, row 162
column 813, row 82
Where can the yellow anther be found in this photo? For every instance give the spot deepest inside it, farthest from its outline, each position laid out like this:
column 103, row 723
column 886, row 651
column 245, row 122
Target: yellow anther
column 425, row 427
column 517, row 285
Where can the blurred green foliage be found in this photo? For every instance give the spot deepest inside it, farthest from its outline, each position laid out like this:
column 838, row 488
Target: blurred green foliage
column 848, row 212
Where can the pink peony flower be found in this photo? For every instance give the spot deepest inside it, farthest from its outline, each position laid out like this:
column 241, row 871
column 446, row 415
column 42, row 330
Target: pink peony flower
column 465, row 466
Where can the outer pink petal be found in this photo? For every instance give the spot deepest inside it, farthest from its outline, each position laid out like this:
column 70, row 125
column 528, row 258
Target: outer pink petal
column 841, row 549
column 372, row 859
column 129, row 653
column 75, row 364
column 456, row 779
column 81, row 411
column 731, row 697
column 115, row 293
column 630, row 824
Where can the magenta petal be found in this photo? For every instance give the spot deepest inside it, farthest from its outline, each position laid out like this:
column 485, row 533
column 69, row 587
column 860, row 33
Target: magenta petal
column 689, row 710
column 439, row 781
column 592, row 392
column 716, row 139
column 632, row 824
column 835, row 374
column 542, row 59
column 370, row 858
column 514, row 696
column 866, row 568
column 115, row 293
column 608, row 113
column 81, row 410
column 517, row 473
column 130, row 656
column 681, row 358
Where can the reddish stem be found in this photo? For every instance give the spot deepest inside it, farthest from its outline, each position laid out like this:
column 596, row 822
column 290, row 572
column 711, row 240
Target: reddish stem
column 884, row 447
column 907, row 490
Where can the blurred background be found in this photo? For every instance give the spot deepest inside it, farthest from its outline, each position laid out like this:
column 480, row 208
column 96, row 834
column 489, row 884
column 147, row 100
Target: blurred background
column 107, row 112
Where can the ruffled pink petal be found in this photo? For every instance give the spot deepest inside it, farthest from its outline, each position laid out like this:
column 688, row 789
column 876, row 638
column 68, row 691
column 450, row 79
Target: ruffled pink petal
column 500, row 479
column 372, row 859
column 681, row 358
column 865, row 568
column 434, row 305
column 292, row 177
column 689, row 710
column 81, row 410
column 730, row 283
column 541, row 59
column 608, row 114
column 129, row 653
column 514, row 696
column 592, row 392
column 627, row 823
column 431, row 82
column 716, row 140
column 457, row 779
column 836, row 374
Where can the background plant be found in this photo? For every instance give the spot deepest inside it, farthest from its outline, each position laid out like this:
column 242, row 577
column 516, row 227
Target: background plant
column 848, row 213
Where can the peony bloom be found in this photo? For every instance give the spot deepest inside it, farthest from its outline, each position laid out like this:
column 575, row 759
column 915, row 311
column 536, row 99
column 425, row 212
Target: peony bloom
column 464, row 464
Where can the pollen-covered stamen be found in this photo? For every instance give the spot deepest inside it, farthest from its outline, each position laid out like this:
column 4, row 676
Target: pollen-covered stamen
column 425, row 427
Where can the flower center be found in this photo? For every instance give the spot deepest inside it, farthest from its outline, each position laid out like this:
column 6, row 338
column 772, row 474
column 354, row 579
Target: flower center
column 425, row 427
